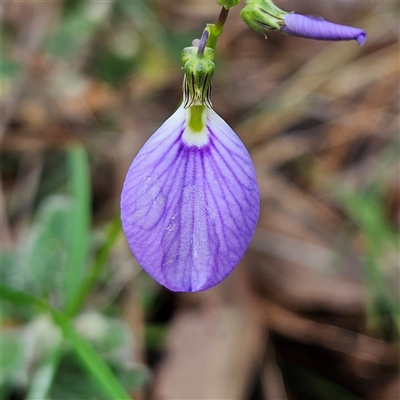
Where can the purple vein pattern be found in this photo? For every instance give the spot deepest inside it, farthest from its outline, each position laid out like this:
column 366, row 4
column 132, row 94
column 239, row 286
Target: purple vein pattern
column 312, row 27
column 190, row 211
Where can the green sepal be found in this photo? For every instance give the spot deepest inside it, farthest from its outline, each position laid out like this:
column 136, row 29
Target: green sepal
column 262, row 16
column 198, row 69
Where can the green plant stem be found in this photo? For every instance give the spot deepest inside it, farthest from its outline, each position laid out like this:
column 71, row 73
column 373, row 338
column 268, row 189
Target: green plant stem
column 89, row 358
column 216, row 29
column 101, row 257
column 44, row 374
column 21, row 298
column 79, row 224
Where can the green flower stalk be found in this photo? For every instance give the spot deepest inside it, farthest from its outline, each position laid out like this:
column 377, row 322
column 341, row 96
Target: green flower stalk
column 227, row 4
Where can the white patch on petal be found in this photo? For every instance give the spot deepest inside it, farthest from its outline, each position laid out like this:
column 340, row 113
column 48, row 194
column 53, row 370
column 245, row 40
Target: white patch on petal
column 193, row 138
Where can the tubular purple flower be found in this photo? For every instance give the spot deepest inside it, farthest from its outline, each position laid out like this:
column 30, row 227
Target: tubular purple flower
column 317, row 28
column 264, row 16
column 190, row 201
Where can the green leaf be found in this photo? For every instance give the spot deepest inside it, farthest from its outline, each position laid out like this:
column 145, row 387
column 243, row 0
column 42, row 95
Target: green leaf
column 78, row 24
column 20, row 298
column 42, row 258
column 111, row 67
column 78, row 230
column 101, row 257
column 144, row 20
column 366, row 209
column 43, row 377
column 89, row 358
column 9, row 69
column 11, row 356
column 110, row 337
column 37, row 265
column 73, row 382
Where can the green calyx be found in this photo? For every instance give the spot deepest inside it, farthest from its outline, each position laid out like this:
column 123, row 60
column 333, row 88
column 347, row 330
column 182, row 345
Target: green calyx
column 262, row 16
column 199, row 68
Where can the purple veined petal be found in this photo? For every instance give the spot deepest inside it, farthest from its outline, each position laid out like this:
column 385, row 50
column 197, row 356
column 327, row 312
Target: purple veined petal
column 190, row 203
column 317, row 28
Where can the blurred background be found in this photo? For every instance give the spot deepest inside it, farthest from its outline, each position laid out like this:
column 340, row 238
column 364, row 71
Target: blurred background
column 311, row 312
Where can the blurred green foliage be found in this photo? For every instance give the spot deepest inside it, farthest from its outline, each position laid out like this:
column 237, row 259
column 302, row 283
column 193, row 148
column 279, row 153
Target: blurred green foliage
column 312, row 385
column 366, row 209
column 47, row 272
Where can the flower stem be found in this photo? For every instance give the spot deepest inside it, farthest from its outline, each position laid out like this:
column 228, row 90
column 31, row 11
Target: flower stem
column 216, row 29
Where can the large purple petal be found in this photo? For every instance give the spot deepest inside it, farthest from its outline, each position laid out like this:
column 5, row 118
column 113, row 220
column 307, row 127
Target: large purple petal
column 189, row 210
column 317, row 28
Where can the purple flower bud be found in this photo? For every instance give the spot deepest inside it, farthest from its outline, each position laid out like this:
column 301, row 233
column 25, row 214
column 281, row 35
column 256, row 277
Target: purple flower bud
column 317, row 28
column 190, row 201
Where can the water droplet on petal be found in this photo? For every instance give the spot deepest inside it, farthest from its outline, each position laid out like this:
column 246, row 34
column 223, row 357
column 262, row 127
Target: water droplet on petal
column 170, row 228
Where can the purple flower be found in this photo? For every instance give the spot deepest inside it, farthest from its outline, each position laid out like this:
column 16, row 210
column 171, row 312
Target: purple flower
column 317, row 28
column 264, row 16
column 190, row 201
